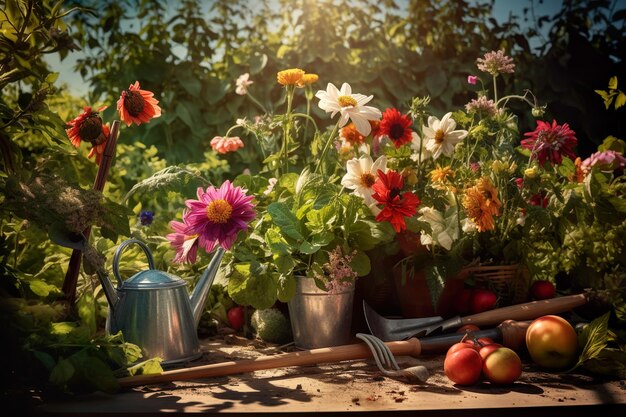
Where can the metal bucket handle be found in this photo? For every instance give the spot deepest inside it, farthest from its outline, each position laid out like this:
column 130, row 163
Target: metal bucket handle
column 118, row 253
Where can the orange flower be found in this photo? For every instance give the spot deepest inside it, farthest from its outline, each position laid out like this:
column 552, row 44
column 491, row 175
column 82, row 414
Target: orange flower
column 579, row 174
column 87, row 127
column 442, row 174
column 482, row 204
column 351, row 135
column 137, row 106
column 292, row 76
column 308, row 79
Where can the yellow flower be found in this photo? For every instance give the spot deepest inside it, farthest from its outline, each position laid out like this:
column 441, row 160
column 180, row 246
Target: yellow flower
column 442, row 174
column 291, row 76
column 530, row 172
column 307, row 79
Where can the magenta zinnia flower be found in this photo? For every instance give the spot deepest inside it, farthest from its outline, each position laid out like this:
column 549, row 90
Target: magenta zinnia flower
column 186, row 245
column 606, row 161
column 550, row 142
column 218, row 215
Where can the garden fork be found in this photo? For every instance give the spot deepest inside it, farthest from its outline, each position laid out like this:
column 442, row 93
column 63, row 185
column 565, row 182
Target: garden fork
column 384, row 359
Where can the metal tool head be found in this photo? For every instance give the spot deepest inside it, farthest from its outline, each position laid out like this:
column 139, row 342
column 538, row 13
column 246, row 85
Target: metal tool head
column 398, row 329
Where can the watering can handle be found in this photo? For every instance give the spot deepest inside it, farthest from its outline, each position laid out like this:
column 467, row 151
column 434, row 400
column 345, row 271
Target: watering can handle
column 118, row 253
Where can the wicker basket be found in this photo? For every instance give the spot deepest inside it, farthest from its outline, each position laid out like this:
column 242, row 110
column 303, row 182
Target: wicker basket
column 509, row 282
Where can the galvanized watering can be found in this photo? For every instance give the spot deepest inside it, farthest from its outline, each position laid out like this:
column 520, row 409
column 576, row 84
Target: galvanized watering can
column 154, row 310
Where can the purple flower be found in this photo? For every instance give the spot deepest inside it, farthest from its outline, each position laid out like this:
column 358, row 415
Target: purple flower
column 146, row 218
column 186, row 245
column 472, row 79
column 495, row 63
column 218, row 215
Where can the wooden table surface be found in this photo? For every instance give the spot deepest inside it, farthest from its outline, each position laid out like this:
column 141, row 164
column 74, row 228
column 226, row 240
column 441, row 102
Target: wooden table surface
column 354, row 387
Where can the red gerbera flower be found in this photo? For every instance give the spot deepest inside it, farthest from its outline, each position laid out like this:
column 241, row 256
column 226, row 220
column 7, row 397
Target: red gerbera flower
column 397, row 127
column 397, row 205
column 87, row 127
column 137, row 106
column 550, row 142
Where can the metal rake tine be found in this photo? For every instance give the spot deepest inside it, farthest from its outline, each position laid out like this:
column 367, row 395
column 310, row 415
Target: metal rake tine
column 376, row 353
column 383, row 347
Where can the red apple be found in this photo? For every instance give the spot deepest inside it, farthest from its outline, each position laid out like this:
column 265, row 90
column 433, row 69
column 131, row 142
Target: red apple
column 552, row 342
column 463, row 367
column 468, row 328
column 467, row 344
column 486, row 350
column 542, row 290
column 502, row 366
column 482, row 300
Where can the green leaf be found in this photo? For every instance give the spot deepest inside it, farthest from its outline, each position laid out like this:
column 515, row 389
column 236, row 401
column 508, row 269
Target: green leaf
column 257, row 290
column 309, row 248
column 609, row 362
column 286, row 287
column 95, row 371
column 436, row 81
column 593, row 338
column 284, row 264
column 172, row 178
column 52, row 77
column 185, row 76
column 86, row 307
column 613, row 83
column 278, row 245
column 62, row 373
column 285, row 220
column 45, row 358
column 149, row 367
column 59, row 234
column 42, row 289
column 361, row 264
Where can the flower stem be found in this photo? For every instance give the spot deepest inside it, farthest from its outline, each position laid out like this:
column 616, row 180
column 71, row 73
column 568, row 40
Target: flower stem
column 326, row 147
column 287, row 129
column 257, row 102
column 495, row 90
column 309, row 118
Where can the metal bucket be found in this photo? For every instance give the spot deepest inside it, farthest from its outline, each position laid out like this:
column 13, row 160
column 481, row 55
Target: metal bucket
column 318, row 318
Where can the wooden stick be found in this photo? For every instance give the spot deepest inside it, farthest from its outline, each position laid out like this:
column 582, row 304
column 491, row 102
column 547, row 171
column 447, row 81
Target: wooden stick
column 513, row 334
column 71, row 276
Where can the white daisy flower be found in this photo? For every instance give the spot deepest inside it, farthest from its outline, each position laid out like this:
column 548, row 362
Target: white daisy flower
column 362, row 174
column 444, row 229
column 441, row 138
column 351, row 106
column 243, row 83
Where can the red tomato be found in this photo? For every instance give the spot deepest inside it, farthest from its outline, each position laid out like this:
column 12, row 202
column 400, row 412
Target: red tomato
column 463, row 301
column 236, row 317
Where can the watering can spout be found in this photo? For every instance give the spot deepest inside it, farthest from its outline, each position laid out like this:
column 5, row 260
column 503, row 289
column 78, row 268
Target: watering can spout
column 109, row 290
column 198, row 297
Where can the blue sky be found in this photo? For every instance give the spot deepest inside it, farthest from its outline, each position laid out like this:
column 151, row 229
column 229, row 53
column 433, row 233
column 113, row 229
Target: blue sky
column 502, row 10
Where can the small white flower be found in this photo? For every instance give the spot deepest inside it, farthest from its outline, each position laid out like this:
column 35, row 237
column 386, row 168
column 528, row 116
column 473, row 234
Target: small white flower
column 243, row 83
column 444, row 229
column 416, row 144
column 270, row 186
column 441, row 138
column 362, row 174
column 351, row 106
column 344, row 147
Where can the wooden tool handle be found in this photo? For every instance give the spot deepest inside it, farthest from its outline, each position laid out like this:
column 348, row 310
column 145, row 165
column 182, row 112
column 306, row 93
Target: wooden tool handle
column 306, row 357
column 514, row 334
column 526, row 311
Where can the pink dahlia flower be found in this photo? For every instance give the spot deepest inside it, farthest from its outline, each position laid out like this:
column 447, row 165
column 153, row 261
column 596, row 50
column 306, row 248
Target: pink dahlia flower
column 226, row 144
column 606, row 161
column 550, row 142
column 186, row 245
column 218, row 215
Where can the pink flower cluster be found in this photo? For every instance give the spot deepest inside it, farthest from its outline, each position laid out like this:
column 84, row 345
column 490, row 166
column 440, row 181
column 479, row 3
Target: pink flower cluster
column 226, row 144
column 496, row 63
column 482, row 105
column 339, row 272
column 606, row 161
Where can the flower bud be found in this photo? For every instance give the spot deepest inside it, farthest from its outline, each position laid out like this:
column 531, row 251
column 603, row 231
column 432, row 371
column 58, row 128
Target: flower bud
column 530, row 172
column 538, row 111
